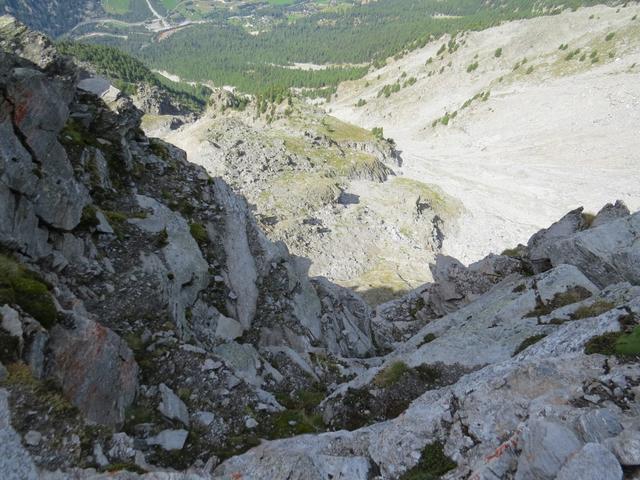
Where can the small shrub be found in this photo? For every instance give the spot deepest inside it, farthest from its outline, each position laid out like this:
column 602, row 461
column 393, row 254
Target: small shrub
column 609, row 36
column 88, row 219
column 529, row 70
column 163, row 238
column 390, row 375
column 497, row 53
column 378, row 132
column 512, row 252
column 527, row 342
column 473, row 66
column 428, row 338
column 519, row 288
column 361, row 103
column 432, row 465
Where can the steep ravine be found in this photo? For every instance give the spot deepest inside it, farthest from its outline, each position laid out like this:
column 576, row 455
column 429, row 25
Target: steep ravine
column 150, row 329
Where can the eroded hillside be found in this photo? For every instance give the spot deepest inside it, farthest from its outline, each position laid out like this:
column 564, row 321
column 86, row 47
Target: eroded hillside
column 519, row 122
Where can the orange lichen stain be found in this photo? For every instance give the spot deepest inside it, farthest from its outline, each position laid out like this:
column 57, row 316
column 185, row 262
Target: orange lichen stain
column 236, row 476
column 512, row 443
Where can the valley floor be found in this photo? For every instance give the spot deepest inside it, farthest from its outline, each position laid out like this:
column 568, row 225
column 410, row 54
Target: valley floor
column 563, row 135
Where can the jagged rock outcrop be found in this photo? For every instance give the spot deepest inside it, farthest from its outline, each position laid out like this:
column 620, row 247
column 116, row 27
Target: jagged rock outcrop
column 147, row 324
column 130, row 273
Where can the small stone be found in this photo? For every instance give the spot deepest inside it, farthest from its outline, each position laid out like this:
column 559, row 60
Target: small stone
column 626, row 447
column 204, row 418
column 211, row 365
column 171, row 406
column 10, row 321
column 33, row 438
column 233, row 296
column 218, row 279
column 121, row 447
column 233, row 382
column 103, row 224
column 250, row 423
column 169, row 439
column 99, row 455
column 593, row 462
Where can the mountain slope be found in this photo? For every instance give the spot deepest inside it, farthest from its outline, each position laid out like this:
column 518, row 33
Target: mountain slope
column 524, row 145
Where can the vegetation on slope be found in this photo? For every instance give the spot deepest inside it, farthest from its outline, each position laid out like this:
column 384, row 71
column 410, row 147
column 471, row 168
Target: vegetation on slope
column 224, row 52
column 127, row 72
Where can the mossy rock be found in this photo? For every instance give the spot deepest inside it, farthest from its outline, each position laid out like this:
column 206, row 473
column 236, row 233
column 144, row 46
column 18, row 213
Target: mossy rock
column 21, row 287
column 432, row 465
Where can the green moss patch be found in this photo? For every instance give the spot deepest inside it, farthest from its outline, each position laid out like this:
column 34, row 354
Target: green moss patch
column 24, row 288
column 527, row 342
column 199, row 232
column 390, row 375
column 432, row 465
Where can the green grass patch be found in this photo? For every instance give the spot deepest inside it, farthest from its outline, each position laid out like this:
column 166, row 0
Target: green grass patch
column 116, row 7
column 615, row 343
column 340, row 131
column 24, row 288
column 390, row 374
column 432, row 465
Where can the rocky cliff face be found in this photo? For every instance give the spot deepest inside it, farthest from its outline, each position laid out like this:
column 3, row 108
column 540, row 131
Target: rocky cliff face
column 148, row 325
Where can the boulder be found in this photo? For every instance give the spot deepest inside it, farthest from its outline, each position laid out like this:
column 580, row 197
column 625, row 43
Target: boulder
column 538, row 245
column 592, row 462
column 172, row 407
column 609, row 213
column 169, row 439
column 626, row 447
column 598, row 425
column 547, row 445
column 95, row 368
column 607, row 254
